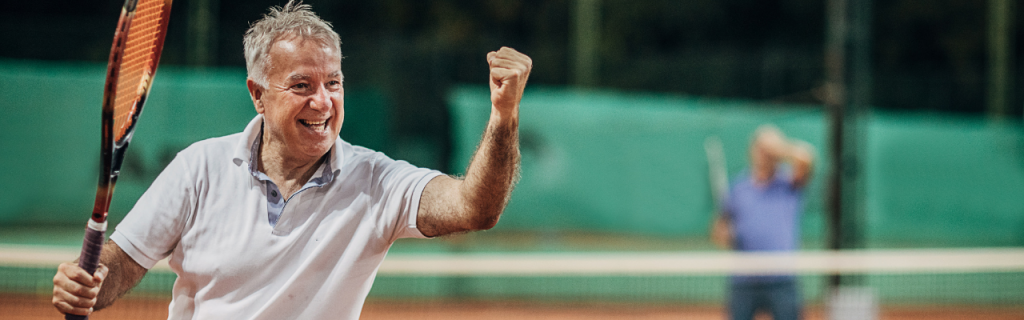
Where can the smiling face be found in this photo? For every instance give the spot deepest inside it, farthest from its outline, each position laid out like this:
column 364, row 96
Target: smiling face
column 303, row 104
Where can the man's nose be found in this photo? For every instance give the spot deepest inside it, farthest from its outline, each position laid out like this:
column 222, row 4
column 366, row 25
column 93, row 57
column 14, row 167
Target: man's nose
column 321, row 100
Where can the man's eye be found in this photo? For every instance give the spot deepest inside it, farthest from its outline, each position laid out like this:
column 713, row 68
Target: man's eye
column 301, row 86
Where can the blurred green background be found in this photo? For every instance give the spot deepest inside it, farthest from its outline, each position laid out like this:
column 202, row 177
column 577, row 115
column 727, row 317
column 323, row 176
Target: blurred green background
column 621, row 99
column 622, row 96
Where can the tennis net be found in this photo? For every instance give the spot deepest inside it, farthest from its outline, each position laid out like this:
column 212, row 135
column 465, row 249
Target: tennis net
column 982, row 283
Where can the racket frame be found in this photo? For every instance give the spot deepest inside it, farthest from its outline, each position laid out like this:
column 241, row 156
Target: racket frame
column 113, row 150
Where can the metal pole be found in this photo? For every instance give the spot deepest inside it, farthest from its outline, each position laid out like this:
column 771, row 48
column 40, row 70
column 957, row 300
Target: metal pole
column 1000, row 53
column 848, row 83
column 835, row 104
column 586, row 36
column 202, row 30
column 859, row 83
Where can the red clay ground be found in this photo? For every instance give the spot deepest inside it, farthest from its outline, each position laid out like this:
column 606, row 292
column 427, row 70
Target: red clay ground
column 23, row 307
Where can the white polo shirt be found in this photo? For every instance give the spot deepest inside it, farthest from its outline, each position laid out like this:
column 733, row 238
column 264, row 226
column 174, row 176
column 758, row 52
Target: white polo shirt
column 209, row 214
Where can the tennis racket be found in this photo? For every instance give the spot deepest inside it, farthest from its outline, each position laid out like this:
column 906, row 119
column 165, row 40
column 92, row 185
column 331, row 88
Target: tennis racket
column 719, row 178
column 717, row 174
column 138, row 41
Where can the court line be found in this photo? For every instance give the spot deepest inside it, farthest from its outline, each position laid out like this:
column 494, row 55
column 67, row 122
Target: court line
column 896, row 261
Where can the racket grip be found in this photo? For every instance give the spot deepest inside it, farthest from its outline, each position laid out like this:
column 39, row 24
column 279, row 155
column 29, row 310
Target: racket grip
column 90, row 258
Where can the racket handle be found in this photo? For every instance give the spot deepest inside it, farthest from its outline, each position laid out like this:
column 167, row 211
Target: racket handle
column 90, row 258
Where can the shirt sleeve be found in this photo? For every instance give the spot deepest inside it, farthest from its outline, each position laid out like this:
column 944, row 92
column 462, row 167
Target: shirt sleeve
column 402, row 186
column 154, row 226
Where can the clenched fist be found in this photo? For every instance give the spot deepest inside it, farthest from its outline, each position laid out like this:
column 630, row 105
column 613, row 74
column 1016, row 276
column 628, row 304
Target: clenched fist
column 509, row 71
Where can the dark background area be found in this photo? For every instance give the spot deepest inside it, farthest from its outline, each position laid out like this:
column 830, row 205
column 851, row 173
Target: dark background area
column 926, row 55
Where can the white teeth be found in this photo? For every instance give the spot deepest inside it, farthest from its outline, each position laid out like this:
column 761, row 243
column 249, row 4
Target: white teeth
column 316, row 126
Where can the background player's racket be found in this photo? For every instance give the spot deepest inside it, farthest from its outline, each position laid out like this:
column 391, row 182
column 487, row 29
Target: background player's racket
column 138, row 40
column 719, row 178
column 717, row 173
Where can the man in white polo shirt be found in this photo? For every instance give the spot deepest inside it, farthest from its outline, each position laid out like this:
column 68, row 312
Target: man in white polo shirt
column 285, row 220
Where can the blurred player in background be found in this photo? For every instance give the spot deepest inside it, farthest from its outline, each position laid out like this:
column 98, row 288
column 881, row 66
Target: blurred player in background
column 285, row 220
column 762, row 213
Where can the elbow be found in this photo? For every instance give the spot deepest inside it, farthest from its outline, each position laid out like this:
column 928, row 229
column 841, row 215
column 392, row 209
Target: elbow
column 482, row 213
column 485, row 220
column 804, row 155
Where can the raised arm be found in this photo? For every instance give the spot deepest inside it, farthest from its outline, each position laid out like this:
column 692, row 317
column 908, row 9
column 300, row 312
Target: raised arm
column 798, row 153
column 475, row 202
column 801, row 156
column 76, row 292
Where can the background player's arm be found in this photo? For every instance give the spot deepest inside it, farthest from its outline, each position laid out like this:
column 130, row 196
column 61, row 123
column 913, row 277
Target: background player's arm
column 475, row 202
column 798, row 153
column 801, row 156
column 76, row 292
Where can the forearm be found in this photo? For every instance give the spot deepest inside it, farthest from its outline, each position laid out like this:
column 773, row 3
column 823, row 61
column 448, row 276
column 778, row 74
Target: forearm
column 124, row 273
column 493, row 171
column 800, row 155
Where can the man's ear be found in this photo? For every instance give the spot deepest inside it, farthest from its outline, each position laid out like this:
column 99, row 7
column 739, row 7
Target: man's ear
column 256, row 93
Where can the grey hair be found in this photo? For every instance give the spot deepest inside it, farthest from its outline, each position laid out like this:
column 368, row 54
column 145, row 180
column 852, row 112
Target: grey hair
column 763, row 129
column 295, row 18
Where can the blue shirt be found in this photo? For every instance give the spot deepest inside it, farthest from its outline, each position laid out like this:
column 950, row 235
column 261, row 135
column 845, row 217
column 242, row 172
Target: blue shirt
column 765, row 217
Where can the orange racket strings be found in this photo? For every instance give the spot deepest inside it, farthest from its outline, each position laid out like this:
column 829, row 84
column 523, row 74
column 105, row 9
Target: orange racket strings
column 137, row 67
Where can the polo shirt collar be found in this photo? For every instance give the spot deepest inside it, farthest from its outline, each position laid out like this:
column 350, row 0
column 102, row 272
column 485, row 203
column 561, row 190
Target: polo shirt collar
column 247, row 151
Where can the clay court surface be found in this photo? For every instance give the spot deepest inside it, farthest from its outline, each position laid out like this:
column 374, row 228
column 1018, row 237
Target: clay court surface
column 38, row 307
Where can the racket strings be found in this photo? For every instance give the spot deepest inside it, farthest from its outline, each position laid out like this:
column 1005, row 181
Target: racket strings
column 137, row 63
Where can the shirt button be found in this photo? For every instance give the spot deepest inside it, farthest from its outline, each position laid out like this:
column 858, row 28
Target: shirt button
column 273, row 193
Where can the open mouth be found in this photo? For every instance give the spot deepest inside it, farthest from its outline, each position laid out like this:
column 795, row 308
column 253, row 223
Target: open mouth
column 318, row 126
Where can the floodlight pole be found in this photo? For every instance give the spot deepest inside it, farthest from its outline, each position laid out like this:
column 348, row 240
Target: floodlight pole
column 585, row 40
column 1000, row 57
column 835, row 106
column 202, row 41
column 847, row 95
